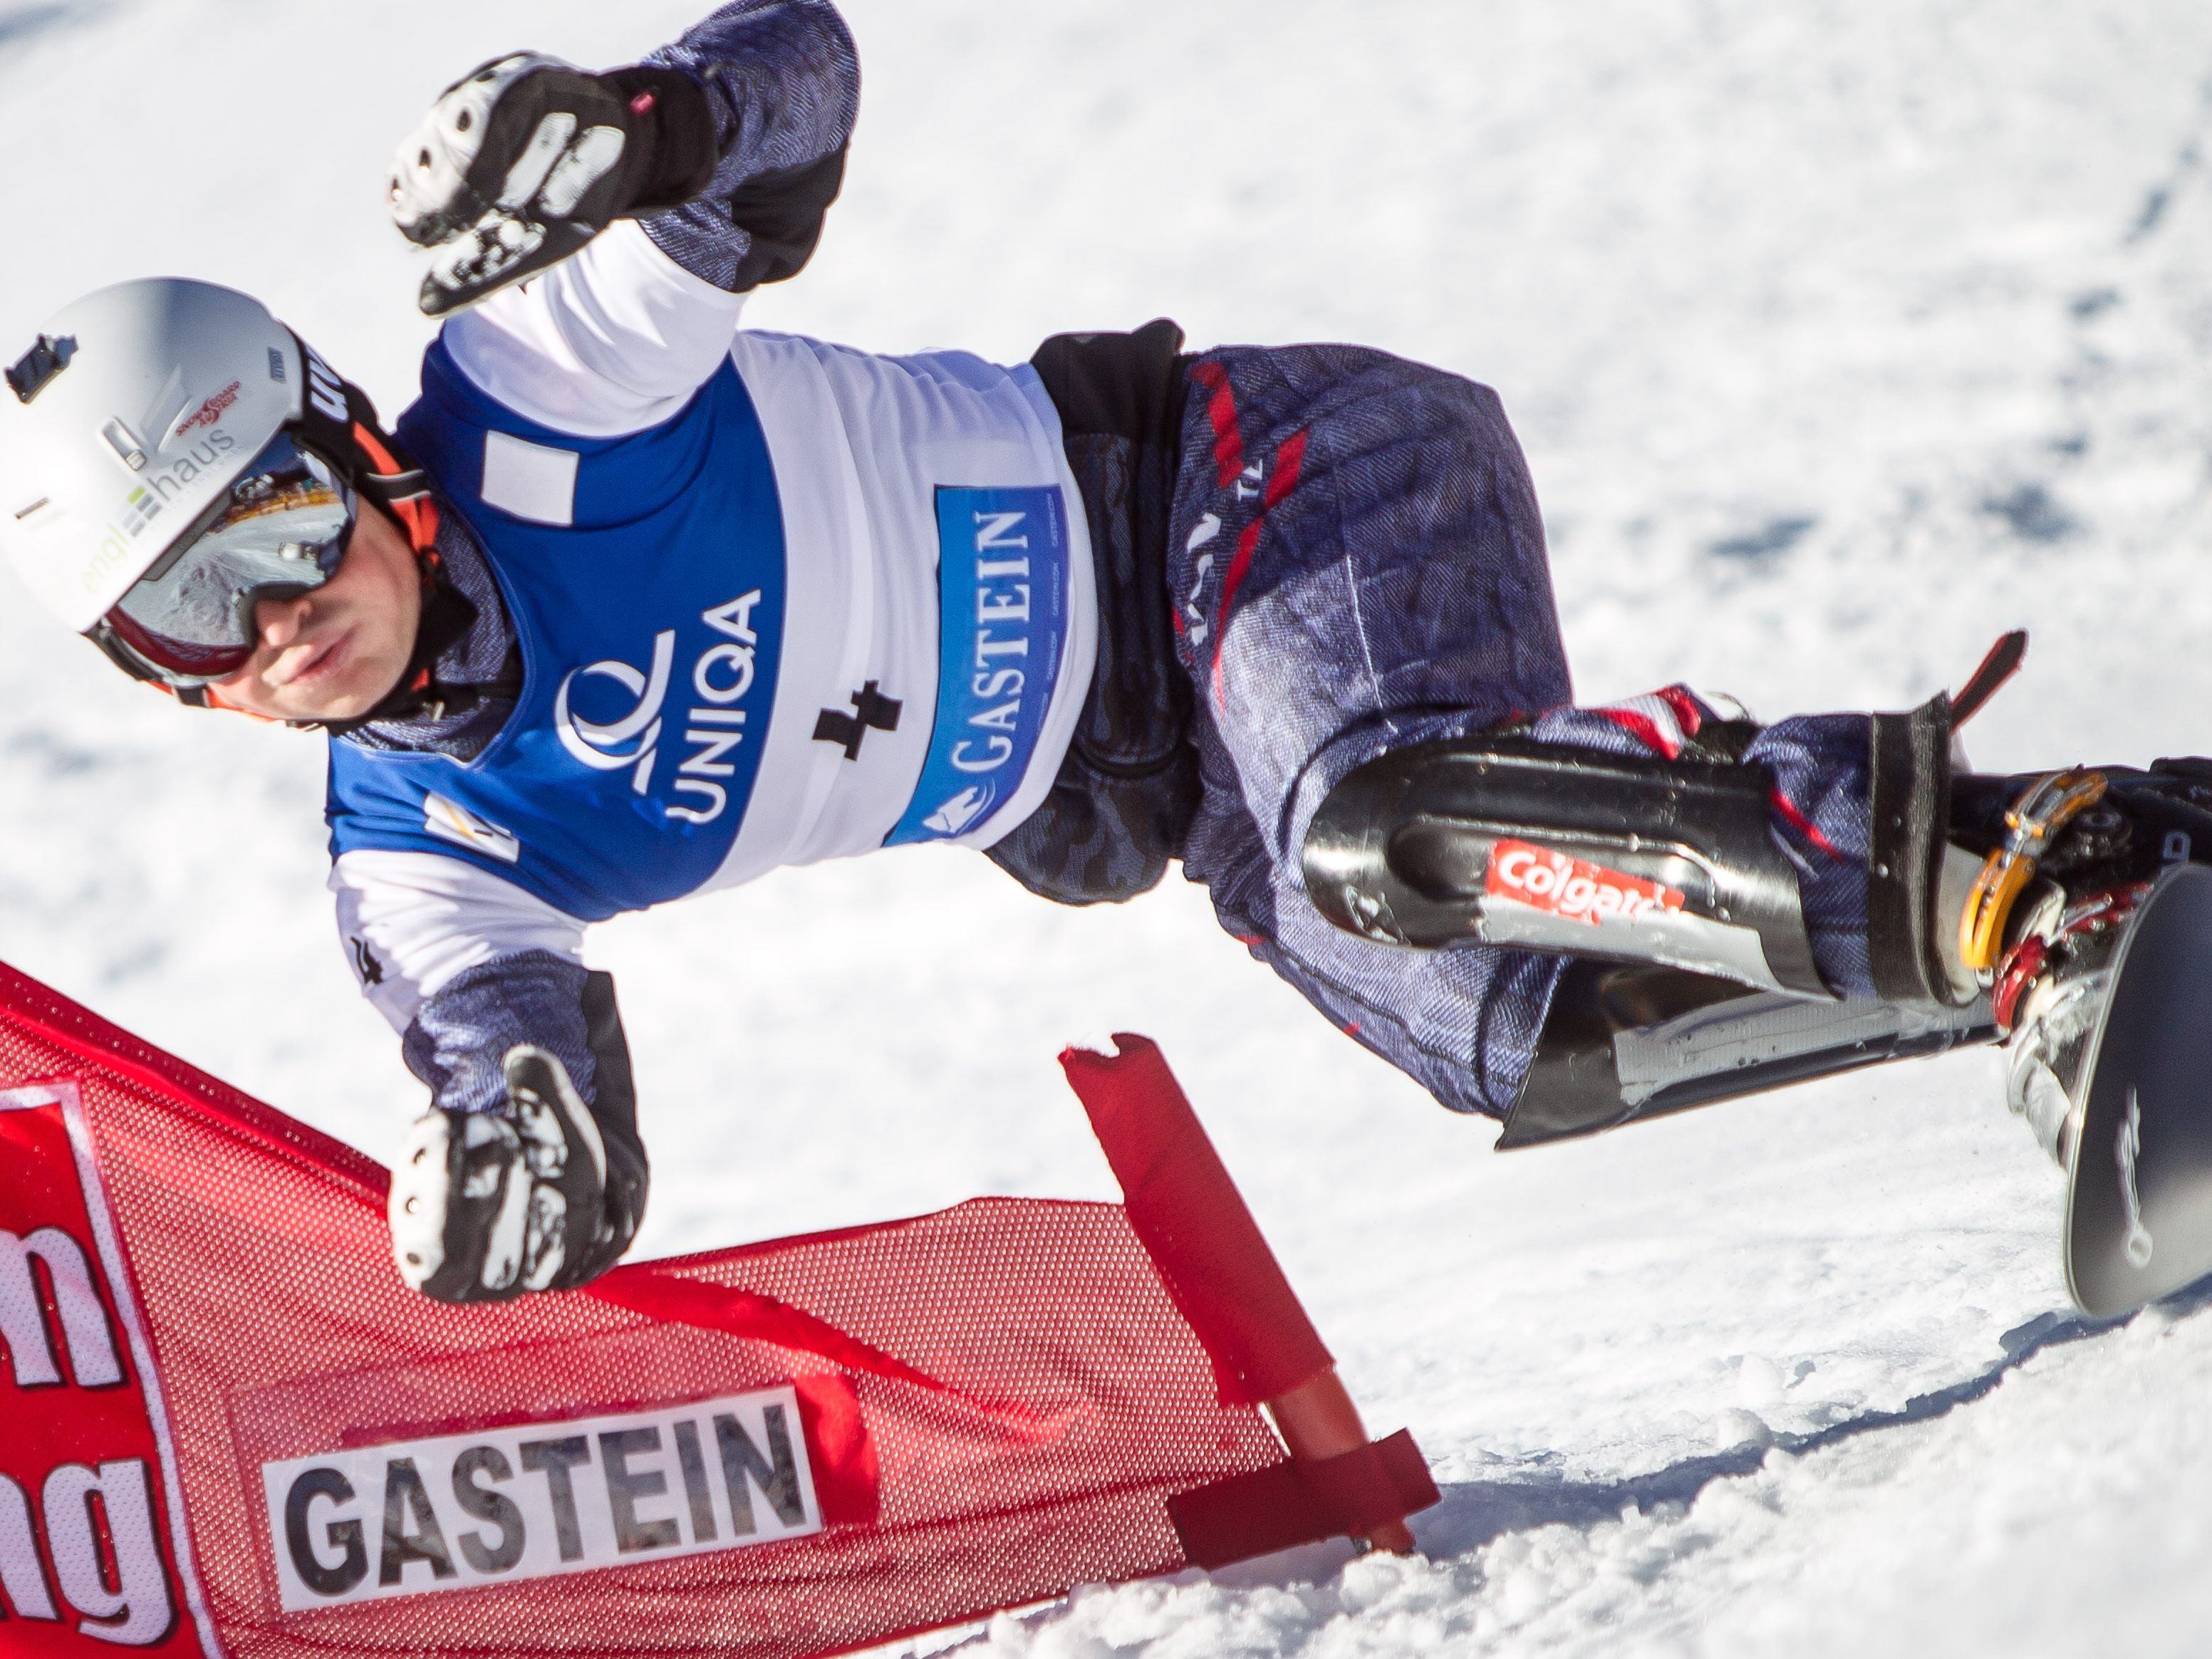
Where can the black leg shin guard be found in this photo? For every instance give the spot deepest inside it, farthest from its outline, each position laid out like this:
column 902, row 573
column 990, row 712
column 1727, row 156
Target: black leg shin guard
column 1553, row 847
column 1698, row 981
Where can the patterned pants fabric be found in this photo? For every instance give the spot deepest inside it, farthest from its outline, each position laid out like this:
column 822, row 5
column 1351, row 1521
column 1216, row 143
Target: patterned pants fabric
column 1355, row 562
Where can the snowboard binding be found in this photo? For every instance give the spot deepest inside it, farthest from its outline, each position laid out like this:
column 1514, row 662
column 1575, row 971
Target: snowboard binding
column 2098, row 909
column 2050, row 988
column 2050, row 805
column 2063, row 915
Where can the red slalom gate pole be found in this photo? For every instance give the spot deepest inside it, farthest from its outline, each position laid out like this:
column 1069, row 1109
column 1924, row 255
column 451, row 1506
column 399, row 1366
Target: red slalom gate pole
column 1318, row 1422
column 1185, row 1209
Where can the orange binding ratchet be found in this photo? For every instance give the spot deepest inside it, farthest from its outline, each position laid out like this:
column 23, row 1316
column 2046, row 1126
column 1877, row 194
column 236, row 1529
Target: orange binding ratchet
column 2047, row 806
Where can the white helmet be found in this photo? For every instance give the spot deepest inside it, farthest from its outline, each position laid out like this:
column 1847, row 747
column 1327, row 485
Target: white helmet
column 150, row 424
column 132, row 416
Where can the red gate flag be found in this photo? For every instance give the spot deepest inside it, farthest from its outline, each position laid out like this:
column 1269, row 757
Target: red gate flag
column 227, row 1428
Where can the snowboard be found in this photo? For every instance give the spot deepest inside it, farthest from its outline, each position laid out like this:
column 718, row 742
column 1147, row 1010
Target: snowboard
column 2139, row 1192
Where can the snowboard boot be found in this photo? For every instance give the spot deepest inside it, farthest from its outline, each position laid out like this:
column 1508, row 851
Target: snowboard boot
column 1994, row 905
column 2038, row 880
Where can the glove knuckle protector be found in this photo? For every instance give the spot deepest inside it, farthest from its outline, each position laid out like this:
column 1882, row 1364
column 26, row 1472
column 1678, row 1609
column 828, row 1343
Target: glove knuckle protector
column 484, row 1207
column 459, row 1207
column 521, row 163
column 440, row 172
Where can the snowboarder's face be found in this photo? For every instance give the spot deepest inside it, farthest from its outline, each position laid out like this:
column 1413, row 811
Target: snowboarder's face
column 336, row 650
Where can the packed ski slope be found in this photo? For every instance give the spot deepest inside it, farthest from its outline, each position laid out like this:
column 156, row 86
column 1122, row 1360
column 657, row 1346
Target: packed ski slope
column 1840, row 336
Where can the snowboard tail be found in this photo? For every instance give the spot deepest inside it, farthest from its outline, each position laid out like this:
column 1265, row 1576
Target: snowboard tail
column 2139, row 1185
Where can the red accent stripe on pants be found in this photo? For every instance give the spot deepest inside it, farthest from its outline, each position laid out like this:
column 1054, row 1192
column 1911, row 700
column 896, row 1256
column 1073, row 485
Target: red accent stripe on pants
column 1803, row 825
column 1221, row 410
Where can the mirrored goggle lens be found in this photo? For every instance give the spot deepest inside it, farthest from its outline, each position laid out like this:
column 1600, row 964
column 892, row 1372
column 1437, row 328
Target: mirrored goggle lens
column 283, row 530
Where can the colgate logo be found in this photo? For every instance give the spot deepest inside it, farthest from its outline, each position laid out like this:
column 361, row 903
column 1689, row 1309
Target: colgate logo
column 210, row 411
column 1564, row 885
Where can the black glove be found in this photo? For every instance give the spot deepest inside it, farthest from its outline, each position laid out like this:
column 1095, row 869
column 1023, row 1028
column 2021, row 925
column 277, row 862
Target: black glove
column 524, row 161
column 547, row 1196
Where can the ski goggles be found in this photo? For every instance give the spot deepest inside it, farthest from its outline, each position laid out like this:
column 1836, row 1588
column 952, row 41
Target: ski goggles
column 283, row 531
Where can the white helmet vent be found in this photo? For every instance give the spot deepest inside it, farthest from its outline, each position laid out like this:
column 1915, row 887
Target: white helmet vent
column 127, row 448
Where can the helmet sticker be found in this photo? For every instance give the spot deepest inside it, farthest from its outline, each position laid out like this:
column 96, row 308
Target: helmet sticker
column 210, row 411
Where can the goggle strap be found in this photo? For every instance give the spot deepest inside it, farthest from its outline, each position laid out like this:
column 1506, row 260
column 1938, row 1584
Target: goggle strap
column 192, row 697
column 376, row 466
column 403, row 490
column 102, row 635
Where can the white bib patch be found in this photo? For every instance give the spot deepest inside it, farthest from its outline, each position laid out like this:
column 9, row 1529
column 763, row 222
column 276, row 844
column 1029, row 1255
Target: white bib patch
column 531, row 481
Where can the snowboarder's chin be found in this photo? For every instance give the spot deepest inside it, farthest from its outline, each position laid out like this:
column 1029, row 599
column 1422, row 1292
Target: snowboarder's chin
column 334, row 675
column 326, row 676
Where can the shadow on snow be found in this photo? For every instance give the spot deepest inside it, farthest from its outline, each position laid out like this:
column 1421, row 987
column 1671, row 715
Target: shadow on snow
column 1474, row 1513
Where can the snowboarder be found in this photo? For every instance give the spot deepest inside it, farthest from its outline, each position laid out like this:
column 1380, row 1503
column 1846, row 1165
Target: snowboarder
column 634, row 602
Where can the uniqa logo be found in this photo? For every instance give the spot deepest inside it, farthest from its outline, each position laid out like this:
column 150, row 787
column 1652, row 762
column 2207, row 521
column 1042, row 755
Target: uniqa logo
column 633, row 740
column 721, row 679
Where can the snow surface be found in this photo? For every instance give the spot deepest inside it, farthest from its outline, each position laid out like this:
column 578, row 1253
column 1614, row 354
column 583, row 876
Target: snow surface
column 1840, row 336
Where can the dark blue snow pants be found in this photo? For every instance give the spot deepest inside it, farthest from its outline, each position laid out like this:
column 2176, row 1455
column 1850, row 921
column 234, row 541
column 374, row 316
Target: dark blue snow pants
column 1355, row 562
